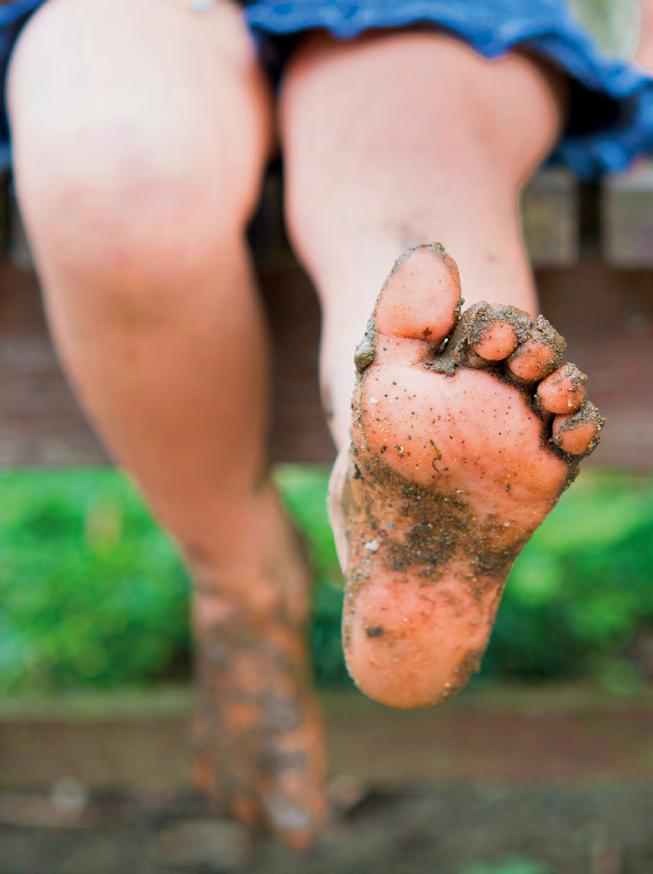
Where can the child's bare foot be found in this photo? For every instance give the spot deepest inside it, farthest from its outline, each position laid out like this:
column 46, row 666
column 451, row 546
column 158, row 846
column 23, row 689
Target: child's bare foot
column 259, row 736
column 466, row 429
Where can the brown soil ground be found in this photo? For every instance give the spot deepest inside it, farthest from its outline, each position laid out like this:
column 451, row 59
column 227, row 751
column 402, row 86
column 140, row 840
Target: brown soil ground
column 563, row 777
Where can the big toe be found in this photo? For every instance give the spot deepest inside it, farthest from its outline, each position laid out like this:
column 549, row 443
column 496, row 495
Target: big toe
column 421, row 297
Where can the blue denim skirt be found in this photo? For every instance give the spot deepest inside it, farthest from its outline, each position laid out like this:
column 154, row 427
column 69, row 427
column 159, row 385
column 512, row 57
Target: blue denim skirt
column 611, row 113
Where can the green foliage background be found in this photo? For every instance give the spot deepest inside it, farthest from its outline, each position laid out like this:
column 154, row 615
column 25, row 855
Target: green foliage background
column 510, row 866
column 615, row 24
column 91, row 593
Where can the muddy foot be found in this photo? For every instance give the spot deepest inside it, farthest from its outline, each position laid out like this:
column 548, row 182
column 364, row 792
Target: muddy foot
column 466, row 430
column 260, row 753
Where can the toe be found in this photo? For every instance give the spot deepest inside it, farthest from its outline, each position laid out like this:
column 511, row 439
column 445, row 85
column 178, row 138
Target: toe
column 421, row 298
column 563, row 391
column 497, row 341
column 484, row 334
column 496, row 331
column 539, row 355
column 578, row 433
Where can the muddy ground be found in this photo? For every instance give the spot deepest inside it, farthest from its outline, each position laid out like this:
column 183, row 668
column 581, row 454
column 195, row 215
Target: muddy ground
column 442, row 829
column 565, row 780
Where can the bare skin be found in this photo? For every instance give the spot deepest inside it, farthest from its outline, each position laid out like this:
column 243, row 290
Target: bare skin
column 458, row 453
column 401, row 184
column 644, row 54
column 138, row 165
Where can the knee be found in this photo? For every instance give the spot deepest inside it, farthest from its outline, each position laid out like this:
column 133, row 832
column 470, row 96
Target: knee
column 120, row 197
column 128, row 231
column 117, row 177
column 113, row 208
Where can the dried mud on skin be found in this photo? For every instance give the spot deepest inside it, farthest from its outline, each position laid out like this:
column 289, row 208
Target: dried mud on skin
column 570, row 374
column 254, row 710
column 456, row 352
column 441, row 526
column 587, row 413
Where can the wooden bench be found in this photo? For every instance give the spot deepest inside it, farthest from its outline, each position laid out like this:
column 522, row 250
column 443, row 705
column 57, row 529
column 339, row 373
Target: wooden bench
column 593, row 251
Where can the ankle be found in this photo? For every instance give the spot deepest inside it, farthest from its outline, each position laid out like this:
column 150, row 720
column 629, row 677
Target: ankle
column 251, row 568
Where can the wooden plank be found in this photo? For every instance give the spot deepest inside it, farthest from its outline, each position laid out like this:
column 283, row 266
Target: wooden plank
column 606, row 315
column 40, row 423
column 142, row 745
column 626, row 198
column 627, row 217
column 550, row 216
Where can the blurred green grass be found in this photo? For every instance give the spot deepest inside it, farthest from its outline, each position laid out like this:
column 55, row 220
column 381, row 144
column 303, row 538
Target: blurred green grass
column 93, row 594
column 510, row 866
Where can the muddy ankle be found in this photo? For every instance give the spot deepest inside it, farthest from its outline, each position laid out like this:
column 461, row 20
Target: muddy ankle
column 258, row 735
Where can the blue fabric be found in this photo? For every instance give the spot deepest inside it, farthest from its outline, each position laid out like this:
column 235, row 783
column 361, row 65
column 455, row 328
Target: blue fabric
column 12, row 17
column 611, row 114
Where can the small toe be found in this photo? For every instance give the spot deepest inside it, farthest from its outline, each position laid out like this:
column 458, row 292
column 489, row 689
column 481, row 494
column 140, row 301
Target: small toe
column 564, row 391
column 532, row 361
column 539, row 355
column 421, row 298
column 485, row 333
column 578, row 434
column 498, row 340
column 497, row 330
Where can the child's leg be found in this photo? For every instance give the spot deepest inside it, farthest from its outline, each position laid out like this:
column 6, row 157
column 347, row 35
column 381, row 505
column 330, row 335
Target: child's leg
column 391, row 141
column 401, row 139
column 141, row 131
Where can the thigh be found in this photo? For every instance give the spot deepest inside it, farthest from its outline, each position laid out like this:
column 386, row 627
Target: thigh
column 108, row 89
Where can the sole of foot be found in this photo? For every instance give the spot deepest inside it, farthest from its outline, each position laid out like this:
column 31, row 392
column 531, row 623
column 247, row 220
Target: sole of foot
column 466, row 430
